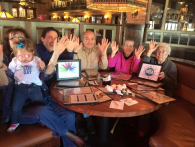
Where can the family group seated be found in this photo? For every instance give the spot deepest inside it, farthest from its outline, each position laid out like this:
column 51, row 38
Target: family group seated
column 27, row 71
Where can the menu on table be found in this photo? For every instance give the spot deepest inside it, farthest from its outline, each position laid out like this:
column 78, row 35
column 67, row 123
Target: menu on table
column 145, row 82
column 156, row 97
column 84, row 95
column 137, row 87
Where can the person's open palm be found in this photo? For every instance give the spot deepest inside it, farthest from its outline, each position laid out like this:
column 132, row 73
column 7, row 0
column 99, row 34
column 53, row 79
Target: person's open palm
column 152, row 46
column 61, row 45
column 70, row 46
column 103, row 47
column 114, row 48
column 139, row 51
column 77, row 46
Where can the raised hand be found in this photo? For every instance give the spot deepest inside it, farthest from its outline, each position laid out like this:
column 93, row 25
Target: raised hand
column 152, row 47
column 139, row 51
column 114, row 48
column 70, row 46
column 103, row 47
column 61, row 45
column 77, row 46
column 41, row 65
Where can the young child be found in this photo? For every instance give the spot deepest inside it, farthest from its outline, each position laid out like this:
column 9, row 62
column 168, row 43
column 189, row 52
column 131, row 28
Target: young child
column 26, row 69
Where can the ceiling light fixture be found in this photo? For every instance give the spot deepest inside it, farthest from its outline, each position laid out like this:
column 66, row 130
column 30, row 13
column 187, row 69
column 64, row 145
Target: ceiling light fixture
column 117, row 6
column 181, row 2
column 75, row 19
column 5, row 14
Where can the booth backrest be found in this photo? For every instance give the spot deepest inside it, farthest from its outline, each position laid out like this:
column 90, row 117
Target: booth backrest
column 186, row 82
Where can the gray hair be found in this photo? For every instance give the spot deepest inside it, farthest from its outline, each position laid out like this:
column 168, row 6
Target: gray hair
column 129, row 40
column 166, row 45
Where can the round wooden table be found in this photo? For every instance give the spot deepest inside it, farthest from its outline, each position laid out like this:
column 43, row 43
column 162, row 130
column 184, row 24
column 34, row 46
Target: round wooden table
column 142, row 107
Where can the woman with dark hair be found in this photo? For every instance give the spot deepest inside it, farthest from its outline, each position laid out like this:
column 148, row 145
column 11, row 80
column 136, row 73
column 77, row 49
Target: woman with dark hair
column 127, row 61
column 10, row 36
column 61, row 123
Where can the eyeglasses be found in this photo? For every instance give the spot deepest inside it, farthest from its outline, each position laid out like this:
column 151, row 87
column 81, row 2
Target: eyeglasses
column 16, row 37
column 163, row 52
column 24, row 56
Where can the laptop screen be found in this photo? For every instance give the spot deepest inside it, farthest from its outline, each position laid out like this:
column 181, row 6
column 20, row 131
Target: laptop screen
column 68, row 69
column 149, row 71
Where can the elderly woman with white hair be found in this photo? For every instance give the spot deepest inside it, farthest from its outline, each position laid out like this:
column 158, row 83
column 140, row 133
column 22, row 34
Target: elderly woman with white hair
column 168, row 74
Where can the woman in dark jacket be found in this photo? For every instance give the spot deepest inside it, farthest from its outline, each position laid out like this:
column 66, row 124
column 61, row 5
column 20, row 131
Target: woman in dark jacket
column 168, row 74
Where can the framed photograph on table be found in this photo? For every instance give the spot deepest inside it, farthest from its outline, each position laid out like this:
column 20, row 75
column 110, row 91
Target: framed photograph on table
column 149, row 71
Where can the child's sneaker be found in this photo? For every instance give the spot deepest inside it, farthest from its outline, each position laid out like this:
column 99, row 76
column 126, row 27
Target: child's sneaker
column 12, row 127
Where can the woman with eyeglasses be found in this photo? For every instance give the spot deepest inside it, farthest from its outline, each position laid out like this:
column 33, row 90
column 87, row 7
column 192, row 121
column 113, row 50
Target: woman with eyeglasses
column 10, row 37
column 168, row 74
column 61, row 123
column 127, row 61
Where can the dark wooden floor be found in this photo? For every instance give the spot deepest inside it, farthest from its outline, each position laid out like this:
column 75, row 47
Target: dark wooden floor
column 127, row 132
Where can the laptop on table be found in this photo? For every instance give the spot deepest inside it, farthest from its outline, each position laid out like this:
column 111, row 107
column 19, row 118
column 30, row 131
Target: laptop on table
column 68, row 73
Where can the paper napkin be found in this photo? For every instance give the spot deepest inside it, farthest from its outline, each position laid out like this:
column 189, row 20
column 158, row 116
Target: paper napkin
column 117, row 105
column 129, row 101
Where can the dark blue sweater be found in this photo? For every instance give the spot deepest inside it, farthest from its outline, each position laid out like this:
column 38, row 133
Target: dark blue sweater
column 45, row 55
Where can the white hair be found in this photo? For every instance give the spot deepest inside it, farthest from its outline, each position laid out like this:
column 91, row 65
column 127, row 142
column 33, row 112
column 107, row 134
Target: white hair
column 166, row 46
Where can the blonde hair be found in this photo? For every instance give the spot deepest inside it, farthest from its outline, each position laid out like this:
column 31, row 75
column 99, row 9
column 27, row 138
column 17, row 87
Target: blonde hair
column 165, row 45
column 27, row 44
